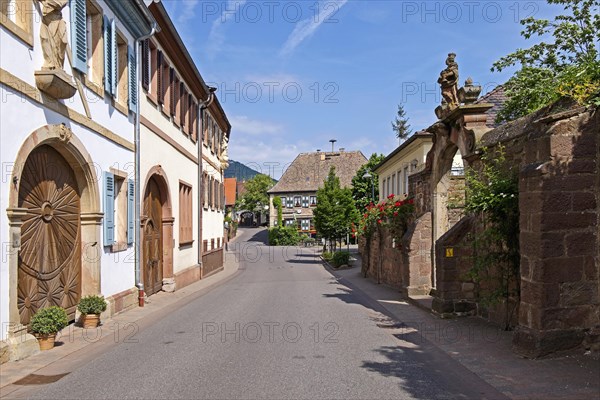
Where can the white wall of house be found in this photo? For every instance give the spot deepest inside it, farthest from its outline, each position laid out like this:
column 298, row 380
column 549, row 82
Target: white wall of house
column 20, row 116
column 403, row 164
column 117, row 269
column 212, row 219
column 178, row 168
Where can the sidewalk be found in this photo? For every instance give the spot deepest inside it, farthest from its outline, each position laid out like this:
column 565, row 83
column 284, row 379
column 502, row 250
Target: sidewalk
column 481, row 347
column 76, row 345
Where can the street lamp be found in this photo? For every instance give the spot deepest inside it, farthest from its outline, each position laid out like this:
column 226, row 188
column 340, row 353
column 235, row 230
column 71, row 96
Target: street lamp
column 367, row 175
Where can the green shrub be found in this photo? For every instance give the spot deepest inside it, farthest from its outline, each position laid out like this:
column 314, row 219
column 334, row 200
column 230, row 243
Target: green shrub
column 92, row 305
column 327, row 256
column 341, row 258
column 283, row 236
column 48, row 321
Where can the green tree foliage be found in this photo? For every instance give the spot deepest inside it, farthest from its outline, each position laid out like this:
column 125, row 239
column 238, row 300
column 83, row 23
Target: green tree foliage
column 361, row 187
column 335, row 212
column 279, row 207
column 567, row 65
column 256, row 197
column 400, row 124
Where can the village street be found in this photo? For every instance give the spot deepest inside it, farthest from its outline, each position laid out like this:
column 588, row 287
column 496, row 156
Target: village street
column 292, row 331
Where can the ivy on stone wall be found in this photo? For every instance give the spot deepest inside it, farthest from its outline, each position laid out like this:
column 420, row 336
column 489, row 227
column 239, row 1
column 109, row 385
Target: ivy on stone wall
column 492, row 192
column 277, row 203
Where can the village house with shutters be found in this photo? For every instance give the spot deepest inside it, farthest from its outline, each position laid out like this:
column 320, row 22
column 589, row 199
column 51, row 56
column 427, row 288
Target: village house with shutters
column 72, row 224
column 299, row 184
column 69, row 158
column 182, row 206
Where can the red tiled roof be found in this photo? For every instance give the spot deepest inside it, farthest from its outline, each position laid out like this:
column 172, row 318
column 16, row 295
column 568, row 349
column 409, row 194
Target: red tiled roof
column 497, row 98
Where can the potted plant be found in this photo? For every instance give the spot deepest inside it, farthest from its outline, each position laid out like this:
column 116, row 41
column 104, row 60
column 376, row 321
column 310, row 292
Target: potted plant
column 90, row 308
column 46, row 323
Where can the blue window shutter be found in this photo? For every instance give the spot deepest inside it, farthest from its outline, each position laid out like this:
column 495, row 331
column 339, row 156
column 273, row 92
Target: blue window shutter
column 115, row 57
column 109, row 208
column 130, row 211
column 133, row 83
column 79, row 35
column 108, row 63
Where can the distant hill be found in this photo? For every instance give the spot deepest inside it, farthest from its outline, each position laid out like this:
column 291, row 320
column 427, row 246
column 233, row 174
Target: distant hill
column 239, row 171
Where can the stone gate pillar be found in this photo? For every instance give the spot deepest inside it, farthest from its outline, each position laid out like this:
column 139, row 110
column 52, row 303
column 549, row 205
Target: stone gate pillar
column 20, row 343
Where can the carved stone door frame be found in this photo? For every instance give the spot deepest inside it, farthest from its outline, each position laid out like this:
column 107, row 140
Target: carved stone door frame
column 67, row 144
column 160, row 177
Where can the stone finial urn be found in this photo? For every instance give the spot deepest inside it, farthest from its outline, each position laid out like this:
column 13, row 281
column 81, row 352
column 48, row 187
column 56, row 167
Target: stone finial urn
column 469, row 93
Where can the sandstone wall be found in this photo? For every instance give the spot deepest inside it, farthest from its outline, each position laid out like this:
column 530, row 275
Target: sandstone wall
column 557, row 154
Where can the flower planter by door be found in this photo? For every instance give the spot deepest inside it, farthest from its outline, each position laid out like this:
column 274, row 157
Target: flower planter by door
column 90, row 321
column 46, row 341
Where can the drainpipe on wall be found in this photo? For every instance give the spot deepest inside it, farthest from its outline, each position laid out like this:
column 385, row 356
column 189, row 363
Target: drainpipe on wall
column 202, row 107
column 138, row 229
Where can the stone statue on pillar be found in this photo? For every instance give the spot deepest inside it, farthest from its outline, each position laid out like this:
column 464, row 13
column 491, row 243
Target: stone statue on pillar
column 448, row 81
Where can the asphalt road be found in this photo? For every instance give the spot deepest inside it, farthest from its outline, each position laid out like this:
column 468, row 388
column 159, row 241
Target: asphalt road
column 282, row 328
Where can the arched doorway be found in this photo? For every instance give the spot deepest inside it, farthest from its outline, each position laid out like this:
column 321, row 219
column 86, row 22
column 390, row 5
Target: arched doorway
column 49, row 263
column 247, row 218
column 152, row 261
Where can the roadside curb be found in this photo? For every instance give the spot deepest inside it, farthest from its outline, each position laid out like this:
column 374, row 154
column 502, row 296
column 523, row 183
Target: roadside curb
column 332, row 268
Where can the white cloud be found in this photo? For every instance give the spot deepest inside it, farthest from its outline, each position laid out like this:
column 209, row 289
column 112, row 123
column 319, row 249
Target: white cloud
column 243, row 124
column 269, row 157
column 216, row 38
column 307, row 27
column 188, row 12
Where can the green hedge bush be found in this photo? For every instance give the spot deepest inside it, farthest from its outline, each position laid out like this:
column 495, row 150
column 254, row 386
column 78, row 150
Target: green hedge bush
column 284, row 236
column 341, row 258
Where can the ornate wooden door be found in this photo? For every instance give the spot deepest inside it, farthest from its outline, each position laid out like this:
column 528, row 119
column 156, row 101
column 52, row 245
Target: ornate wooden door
column 152, row 261
column 49, row 271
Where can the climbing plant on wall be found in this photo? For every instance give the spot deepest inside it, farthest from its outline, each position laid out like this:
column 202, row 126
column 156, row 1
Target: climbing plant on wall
column 492, row 192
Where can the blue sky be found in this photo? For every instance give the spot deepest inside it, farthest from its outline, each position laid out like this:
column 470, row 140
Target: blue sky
column 293, row 74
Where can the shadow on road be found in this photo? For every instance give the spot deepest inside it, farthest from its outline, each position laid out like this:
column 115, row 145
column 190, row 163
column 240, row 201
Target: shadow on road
column 261, row 236
column 426, row 373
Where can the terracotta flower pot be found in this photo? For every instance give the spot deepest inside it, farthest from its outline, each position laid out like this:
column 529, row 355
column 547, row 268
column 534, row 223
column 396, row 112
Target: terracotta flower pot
column 90, row 321
column 46, row 342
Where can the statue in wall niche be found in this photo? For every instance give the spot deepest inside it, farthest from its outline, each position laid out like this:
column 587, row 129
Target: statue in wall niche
column 52, row 79
column 224, row 156
column 53, row 33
